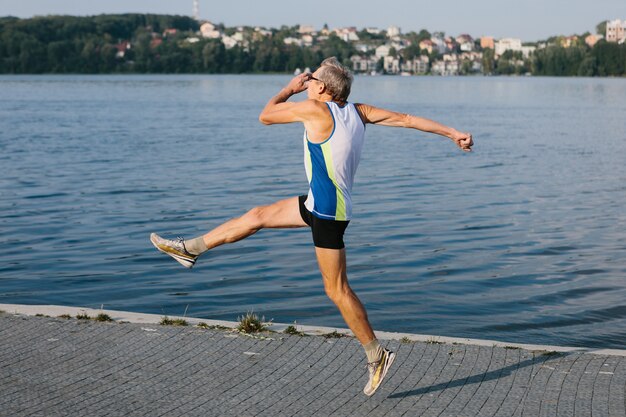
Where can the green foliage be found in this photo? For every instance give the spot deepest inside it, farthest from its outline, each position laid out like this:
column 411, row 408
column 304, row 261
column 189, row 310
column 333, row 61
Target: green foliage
column 103, row 317
column 166, row 321
column 292, row 330
column 251, row 323
column 333, row 335
column 604, row 59
column 97, row 44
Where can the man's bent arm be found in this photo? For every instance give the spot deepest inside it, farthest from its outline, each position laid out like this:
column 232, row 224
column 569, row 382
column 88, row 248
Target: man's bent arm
column 277, row 110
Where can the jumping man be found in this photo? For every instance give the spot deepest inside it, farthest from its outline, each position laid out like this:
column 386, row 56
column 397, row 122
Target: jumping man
column 334, row 131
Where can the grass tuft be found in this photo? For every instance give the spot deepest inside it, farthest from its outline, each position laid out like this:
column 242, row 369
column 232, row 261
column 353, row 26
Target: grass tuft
column 41, row 315
column 434, row 341
column 406, row 340
column 166, row 321
column 333, row 335
column 293, row 331
column 65, row 316
column 251, row 323
column 83, row 316
column 103, row 317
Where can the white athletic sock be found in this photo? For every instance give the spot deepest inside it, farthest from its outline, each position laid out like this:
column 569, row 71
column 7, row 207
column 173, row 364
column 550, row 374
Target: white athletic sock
column 196, row 246
column 374, row 351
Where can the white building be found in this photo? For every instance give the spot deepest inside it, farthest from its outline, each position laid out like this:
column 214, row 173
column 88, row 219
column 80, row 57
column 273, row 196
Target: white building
column 229, row 42
column 391, row 65
column 448, row 66
column 418, row 65
column 208, row 30
column 508, row 44
column 306, row 29
column 364, row 64
column 382, row 51
column 393, row 31
column 293, row 41
column 528, row 50
column 616, row 31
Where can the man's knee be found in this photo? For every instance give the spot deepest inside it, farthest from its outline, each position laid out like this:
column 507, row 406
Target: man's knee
column 255, row 217
column 337, row 291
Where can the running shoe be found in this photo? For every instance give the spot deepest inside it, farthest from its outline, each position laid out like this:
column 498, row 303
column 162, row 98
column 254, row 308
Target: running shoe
column 174, row 248
column 377, row 371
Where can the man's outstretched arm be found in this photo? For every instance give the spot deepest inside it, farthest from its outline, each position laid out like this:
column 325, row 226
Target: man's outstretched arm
column 375, row 115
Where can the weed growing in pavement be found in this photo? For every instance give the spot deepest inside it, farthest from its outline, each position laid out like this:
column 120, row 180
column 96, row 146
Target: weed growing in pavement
column 333, row 335
column 166, row 321
column 83, row 316
column 251, row 323
column 291, row 329
column 103, row 317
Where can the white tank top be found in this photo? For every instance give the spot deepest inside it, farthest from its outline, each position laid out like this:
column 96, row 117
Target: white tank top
column 331, row 165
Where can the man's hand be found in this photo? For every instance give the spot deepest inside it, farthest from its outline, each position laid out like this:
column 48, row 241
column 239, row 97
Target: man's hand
column 463, row 140
column 297, row 83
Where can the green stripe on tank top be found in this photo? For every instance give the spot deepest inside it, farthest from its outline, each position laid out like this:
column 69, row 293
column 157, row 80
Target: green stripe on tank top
column 340, row 212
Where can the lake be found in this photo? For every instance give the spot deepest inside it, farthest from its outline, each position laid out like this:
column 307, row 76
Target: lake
column 522, row 240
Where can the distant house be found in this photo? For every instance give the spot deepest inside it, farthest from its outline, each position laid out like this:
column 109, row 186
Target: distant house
column 306, row 29
column 428, row 45
column 348, row 34
column 155, row 42
column 486, row 42
column 391, row 65
column 591, row 40
column 382, row 51
column 445, row 67
column 209, row 31
column 616, row 31
column 169, row 32
column 419, row 65
column 293, row 41
column 364, row 64
column 393, row 31
column 122, row 47
column 229, row 42
column 569, row 41
column 466, row 42
column 508, row 44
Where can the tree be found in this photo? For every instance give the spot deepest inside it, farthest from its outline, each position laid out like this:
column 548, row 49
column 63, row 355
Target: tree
column 488, row 61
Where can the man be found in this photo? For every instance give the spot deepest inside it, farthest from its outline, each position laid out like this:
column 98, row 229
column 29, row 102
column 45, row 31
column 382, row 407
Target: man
column 333, row 139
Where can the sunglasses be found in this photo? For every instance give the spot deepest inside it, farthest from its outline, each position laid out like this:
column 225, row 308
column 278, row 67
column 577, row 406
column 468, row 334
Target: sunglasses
column 311, row 77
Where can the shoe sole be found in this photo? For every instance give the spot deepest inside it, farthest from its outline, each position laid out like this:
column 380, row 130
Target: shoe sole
column 181, row 259
column 392, row 357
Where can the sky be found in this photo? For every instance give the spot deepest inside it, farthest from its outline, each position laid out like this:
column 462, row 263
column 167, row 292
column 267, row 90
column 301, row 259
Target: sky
column 529, row 20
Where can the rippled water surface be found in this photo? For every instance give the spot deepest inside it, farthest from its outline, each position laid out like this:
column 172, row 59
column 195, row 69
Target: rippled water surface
column 523, row 240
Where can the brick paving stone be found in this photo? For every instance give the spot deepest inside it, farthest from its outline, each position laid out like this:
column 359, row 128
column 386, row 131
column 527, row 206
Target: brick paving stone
column 56, row 367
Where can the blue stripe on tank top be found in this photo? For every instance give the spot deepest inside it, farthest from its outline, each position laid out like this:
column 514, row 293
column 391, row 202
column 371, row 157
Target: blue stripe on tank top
column 322, row 186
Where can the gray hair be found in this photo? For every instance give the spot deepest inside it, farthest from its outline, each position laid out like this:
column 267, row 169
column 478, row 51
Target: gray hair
column 336, row 77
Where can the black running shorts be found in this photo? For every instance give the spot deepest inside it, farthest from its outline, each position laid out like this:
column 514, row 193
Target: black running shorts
column 326, row 233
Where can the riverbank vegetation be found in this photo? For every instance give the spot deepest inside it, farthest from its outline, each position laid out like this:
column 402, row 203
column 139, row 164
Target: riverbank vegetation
column 144, row 43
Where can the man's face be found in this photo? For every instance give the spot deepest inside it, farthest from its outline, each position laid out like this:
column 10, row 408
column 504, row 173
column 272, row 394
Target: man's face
column 315, row 87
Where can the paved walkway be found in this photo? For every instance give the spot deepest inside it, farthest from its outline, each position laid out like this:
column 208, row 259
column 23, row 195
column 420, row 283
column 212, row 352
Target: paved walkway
column 69, row 367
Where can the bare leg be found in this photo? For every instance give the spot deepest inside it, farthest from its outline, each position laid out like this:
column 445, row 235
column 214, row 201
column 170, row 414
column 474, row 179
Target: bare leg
column 332, row 263
column 282, row 214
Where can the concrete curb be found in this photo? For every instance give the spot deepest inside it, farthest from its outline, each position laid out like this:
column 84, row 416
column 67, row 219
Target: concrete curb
column 126, row 316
